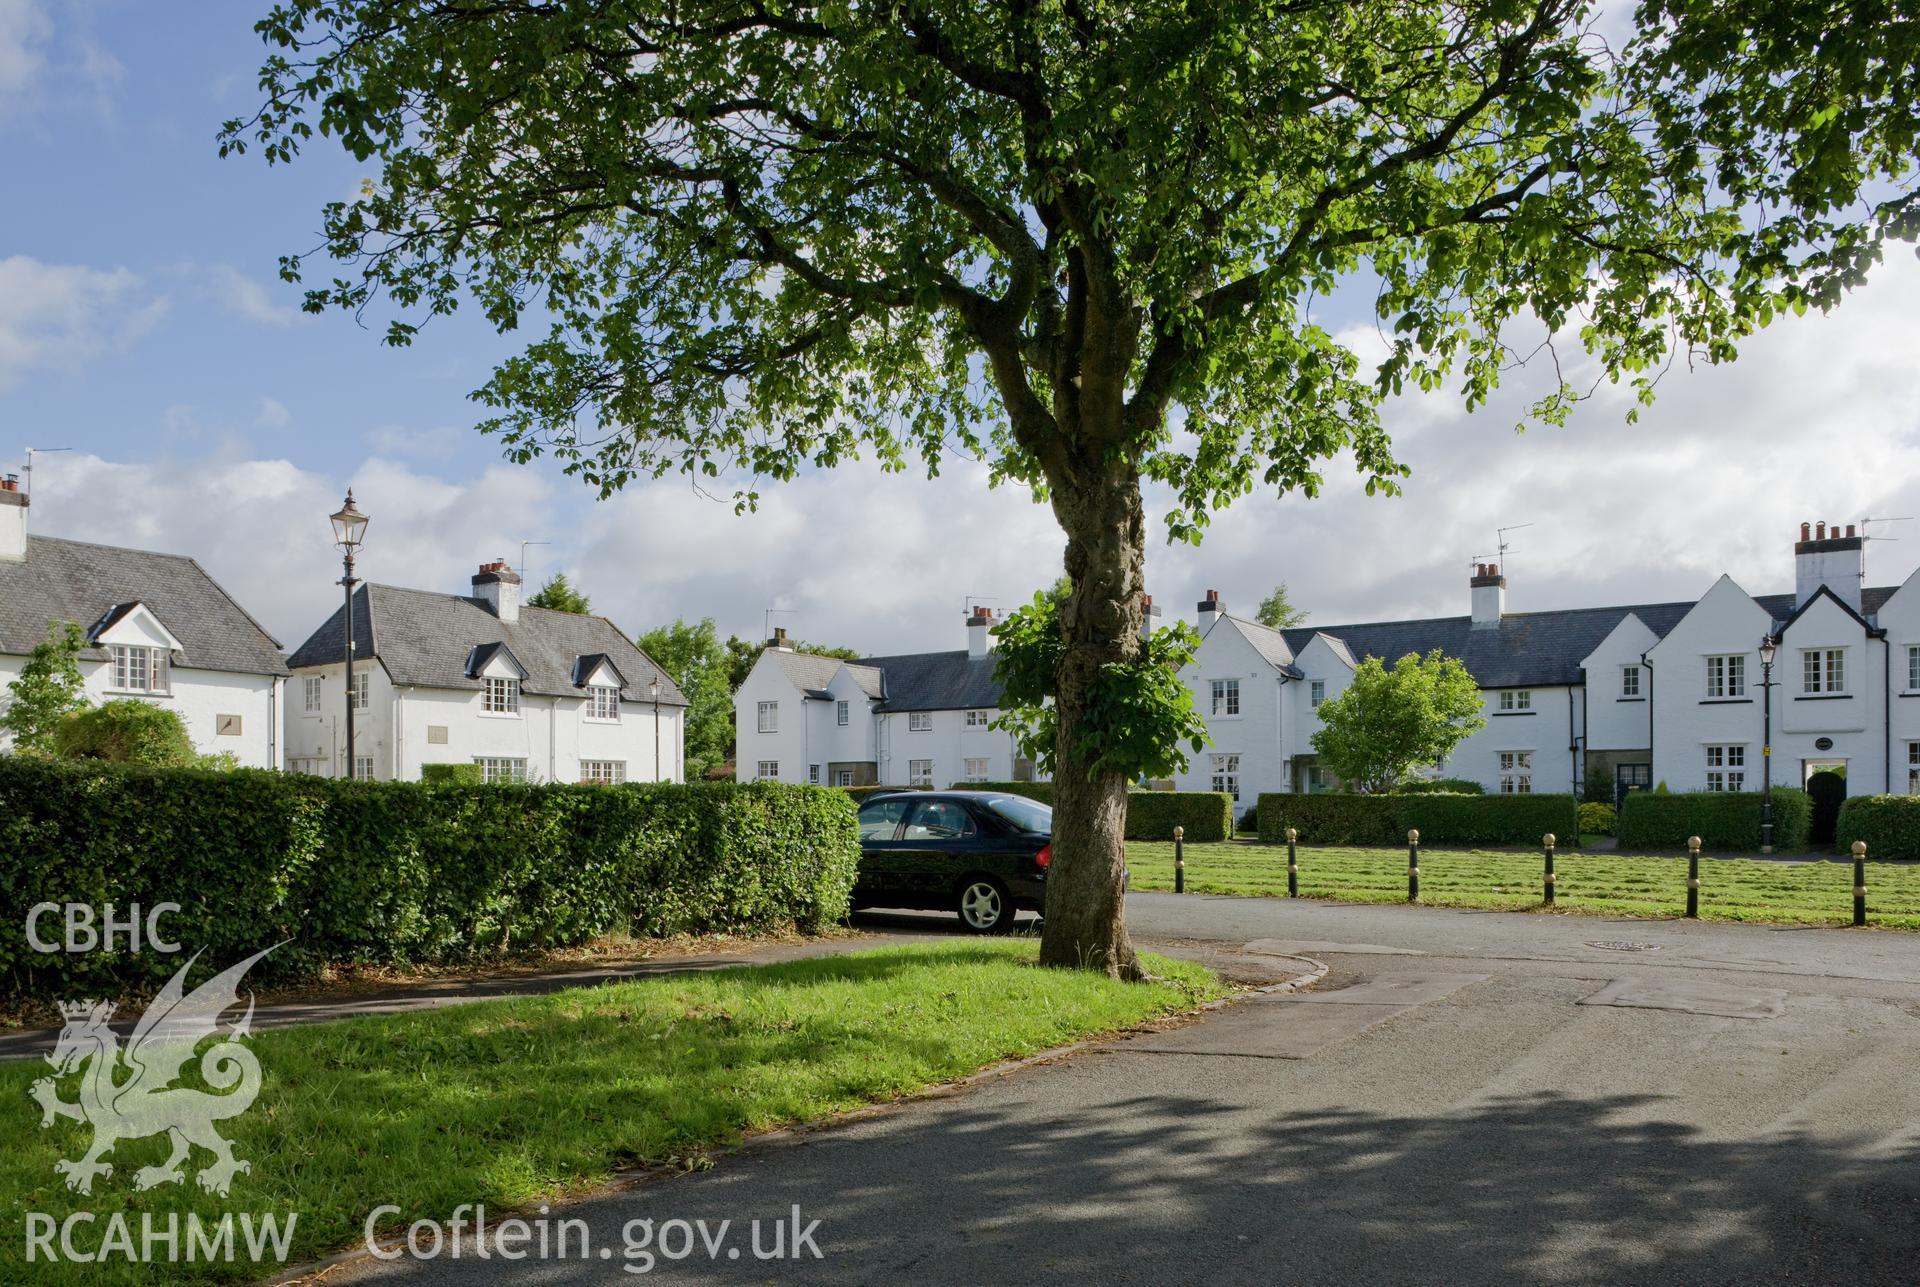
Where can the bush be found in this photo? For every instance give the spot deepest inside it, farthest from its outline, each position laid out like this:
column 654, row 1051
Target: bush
column 1825, row 791
column 1151, row 815
column 1041, row 791
column 1596, row 819
column 453, row 774
column 1596, row 788
column 1441, row 786
column 127, row 731
column 1890, row 824
column 1440, row 819
column 396, row 873
column 1250, row 822
column 1722, row 820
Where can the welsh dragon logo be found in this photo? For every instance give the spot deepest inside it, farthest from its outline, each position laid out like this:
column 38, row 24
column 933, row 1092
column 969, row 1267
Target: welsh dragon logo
column 146, row 1102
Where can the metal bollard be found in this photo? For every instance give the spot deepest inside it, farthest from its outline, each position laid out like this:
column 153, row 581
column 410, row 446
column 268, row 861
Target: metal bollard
column 1293, row 865
column 1693, row 877
column 1547, row 840
column 1179, row 860
column 1859, row 882
column 1413, row 865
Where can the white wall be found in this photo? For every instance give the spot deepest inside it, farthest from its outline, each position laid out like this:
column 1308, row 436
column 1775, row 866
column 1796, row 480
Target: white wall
column 200, row 697
column 1261, row 735
column 1616, row 721
column 1547, row 731
column 949, row 743
column 791, row 743
column 1900, row 618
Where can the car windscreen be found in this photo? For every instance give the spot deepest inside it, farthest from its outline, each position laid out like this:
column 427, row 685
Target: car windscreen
column 1023, row 813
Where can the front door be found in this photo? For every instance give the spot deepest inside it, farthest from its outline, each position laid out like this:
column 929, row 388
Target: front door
column 1630, row 777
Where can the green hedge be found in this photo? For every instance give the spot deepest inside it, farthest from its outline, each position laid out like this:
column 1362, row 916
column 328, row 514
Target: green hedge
column 1597, row 819
column 453, row 774
column 1041, row 791
column 1722, row 820
column 395, row 873
column 1890, row 824
column 1441, row 786
column 1340, row 819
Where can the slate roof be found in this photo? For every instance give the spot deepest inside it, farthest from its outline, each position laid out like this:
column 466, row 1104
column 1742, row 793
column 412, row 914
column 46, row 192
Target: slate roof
column 425, row 638
column 82, row 582
column 811, row 673
column 1541, row 649
column 937, row 681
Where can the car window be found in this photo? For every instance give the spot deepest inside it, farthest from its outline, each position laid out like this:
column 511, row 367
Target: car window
column 1025, row 815
column 940, row 820
column 880, row 819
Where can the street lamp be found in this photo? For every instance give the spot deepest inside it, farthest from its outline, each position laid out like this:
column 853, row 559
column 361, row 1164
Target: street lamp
column 349, row 527
column 1768, row 646
column 653, row 691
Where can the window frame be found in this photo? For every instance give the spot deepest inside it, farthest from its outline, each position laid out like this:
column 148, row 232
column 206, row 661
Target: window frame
column 919, row 721
column 1316, row 692
column 813, row 775
column 1226, row 698
column 1515, row 772
column 1224, row 772
column 1726, row 678
column 842, row 713
column 155, row 666
column 1630, row 681
column 314, row 690
column 1515, row 700
column 968, row 773
column 919, row 772
column 1726, row 767
column 603, row 772
column 497, row 770
column 1823, row 672
column 499, row 696
column 766, row 770
column 603, row 705
column 767, row 716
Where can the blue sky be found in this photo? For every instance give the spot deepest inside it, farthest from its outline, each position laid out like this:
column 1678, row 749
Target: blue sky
column 142, row 324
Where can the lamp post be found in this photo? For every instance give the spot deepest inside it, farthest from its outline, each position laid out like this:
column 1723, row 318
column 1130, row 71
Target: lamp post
column 1768, row 646
column 653, row 691
column 349, row 526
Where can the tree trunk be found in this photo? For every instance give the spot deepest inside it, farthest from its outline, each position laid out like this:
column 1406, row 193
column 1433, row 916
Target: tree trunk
column 1105, row 523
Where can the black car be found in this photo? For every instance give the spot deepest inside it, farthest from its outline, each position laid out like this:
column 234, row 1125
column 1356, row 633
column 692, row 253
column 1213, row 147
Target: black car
column 983, row 854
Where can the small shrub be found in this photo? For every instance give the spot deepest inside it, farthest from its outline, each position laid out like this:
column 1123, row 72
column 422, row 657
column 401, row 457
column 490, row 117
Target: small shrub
column 1722, row 820
column 453, row 774
column 1596, row 819
column 1890, row 824
column 126, row 731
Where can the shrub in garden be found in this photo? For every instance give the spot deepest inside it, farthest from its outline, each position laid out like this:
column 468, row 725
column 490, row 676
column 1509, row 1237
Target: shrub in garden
column 1596, row 819
column 1890, row 824
column 1722, row 820
column 453, row 774
column 394, row 873
column 1440, row 786
column 1441, row 819
column 127, row 731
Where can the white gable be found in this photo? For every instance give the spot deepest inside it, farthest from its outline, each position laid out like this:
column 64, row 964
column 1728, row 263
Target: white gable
column 1726, row 619
column 1624, row 643
column 138, row 628
column 603, row 676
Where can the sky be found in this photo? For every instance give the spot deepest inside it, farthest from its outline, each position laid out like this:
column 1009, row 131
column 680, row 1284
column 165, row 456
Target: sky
column 144, row 327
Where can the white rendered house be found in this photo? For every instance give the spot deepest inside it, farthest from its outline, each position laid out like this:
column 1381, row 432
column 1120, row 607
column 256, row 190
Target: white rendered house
column 1632, row 695
column 158, row 629
column 528, row 694
column 918, row 719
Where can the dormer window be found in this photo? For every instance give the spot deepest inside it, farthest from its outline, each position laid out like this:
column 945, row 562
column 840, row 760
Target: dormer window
column 500, row 696
column 140, row 670
column 605, row 702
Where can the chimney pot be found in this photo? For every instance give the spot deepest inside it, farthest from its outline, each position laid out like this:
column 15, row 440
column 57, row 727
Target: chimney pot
column 1806, row 531
column 1850, row 529
column 11, row 483
column 1146, row 601
column 1820, row 531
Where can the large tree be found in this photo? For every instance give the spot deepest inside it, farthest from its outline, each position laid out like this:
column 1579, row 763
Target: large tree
column 1090, row 242
column 1277, row 612
column 693, row 654
column 558, row 595
column 48, row 688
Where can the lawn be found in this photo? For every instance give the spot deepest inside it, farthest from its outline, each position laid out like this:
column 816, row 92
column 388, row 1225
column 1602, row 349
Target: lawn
column 1731, row 889
column 511, row 1102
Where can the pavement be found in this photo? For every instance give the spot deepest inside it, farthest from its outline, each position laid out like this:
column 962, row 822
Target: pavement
column 1467, row 1097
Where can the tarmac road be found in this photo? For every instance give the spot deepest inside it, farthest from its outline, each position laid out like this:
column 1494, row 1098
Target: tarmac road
column 1468, row 1097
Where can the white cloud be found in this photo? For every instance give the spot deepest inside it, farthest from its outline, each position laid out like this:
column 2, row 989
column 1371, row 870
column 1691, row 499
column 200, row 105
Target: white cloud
column 55, row 316
column 420, row 444
column 273, row 414
column 24, row 32
column 243, row 296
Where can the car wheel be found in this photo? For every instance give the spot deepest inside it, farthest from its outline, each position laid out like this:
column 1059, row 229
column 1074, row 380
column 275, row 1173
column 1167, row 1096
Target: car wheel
column 984, row 907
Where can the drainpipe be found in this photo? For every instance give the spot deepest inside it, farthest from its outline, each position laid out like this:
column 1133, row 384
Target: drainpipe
column 1573, row 743
column 273, row 724
column 1280, row 733
column 1886, row 715
column 1586, row 729
column 1653, row 764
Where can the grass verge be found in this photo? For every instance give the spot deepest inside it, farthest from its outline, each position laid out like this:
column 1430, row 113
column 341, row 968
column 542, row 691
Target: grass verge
column 1731, row 889
column 512, row 1102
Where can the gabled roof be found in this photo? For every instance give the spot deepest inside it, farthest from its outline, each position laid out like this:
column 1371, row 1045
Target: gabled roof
column 812, row 673
column 82, row 582
column 1780, row 627
column 1527, row 648
column 937, row 681
column 425, row 639
column 1268, row 642
column 487, row 653
column 585, row 666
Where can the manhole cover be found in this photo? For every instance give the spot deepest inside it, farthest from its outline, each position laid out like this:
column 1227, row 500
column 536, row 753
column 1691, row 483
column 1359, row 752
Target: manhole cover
column 1623, row 945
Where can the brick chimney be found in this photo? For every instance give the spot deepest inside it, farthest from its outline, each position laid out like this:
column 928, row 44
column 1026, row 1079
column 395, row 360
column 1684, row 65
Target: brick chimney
column 1210, row 610
column 979, row 623
column 1489, row 595
column 780, row 642
column 1827, row 556
column 13, row 521
column 499, row 585
column 1149, row 616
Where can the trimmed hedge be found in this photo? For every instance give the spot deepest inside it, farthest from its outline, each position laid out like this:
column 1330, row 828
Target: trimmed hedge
column 1722, row 820
column 392, row 873
column 1890, row 824
column 1041, row 791
column 1597, row 819
column 1340, row 819
column 1441, row 786
column 453, row 774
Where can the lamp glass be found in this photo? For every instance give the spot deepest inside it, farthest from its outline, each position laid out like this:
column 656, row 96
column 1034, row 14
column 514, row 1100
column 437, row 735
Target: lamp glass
column 1767, row 648
column 349, row 525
